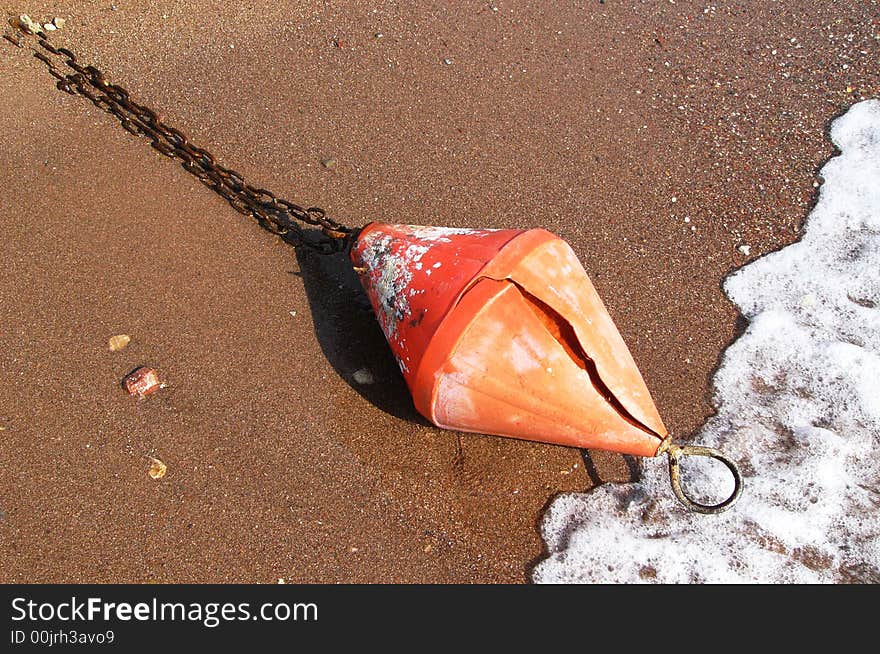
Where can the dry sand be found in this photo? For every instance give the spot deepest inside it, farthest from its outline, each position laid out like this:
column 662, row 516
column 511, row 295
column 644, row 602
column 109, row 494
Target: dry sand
column 656, row 137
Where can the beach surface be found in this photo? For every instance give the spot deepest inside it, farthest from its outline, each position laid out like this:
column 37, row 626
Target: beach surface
column 668, row 143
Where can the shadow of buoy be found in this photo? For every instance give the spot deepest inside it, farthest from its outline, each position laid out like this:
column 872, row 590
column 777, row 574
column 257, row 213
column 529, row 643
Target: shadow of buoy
column 349, row 334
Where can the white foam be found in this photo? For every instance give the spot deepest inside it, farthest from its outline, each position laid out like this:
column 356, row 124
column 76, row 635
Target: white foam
column 798, row 399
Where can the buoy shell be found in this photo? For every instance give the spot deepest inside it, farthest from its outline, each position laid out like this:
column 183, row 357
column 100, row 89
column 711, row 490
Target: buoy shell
column 501, row 332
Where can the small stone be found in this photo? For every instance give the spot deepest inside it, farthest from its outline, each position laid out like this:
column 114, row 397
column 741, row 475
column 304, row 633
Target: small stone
column 673, row 199
column 328, row 163
column 447, row 61
column 292, row 314
column 363, row 376
column 58, row 22
column 379, row 35
column 157, row 469
column 118, row 342
column 49, row 27
column 142, row 382
column 353, row 550
column 745, row 249
column 427, row 548
column 281, row 580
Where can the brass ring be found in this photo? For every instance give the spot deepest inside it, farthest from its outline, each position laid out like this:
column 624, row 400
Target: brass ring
column 676, row 452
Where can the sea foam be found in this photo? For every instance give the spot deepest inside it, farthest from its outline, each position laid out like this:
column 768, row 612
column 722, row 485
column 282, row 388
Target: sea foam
column 798, row 406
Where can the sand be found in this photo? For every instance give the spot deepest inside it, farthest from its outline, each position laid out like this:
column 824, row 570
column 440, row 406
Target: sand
column 657, row 138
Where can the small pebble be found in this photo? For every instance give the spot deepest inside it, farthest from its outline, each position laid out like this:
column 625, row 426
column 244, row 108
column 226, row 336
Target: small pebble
column 745, row 249
column 118, row 342
column 292, row 314
column 49, row 27
column 363, row 376
column 142, row 382
column 328, row 163
column 447, row 61
column 157, row 469
column 58, row 22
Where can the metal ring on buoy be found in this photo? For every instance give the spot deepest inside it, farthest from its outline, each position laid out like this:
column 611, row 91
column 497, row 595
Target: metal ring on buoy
column 676, row 452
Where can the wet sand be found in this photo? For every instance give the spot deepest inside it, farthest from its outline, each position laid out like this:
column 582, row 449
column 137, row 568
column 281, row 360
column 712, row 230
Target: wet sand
column 656, row 138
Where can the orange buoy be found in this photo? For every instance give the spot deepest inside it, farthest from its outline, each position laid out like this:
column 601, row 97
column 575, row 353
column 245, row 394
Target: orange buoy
column 496, row 331
column 501, row 332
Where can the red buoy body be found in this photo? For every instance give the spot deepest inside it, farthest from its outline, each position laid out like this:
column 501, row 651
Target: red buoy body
column 501, row 332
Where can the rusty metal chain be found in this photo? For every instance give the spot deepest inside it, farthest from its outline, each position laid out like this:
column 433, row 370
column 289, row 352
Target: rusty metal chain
column 275, row 214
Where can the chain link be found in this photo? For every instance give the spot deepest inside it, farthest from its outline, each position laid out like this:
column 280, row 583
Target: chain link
column 275, row 214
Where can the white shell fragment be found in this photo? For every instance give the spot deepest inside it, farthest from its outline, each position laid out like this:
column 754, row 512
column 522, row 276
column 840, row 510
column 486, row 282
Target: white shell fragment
column 29, row 24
